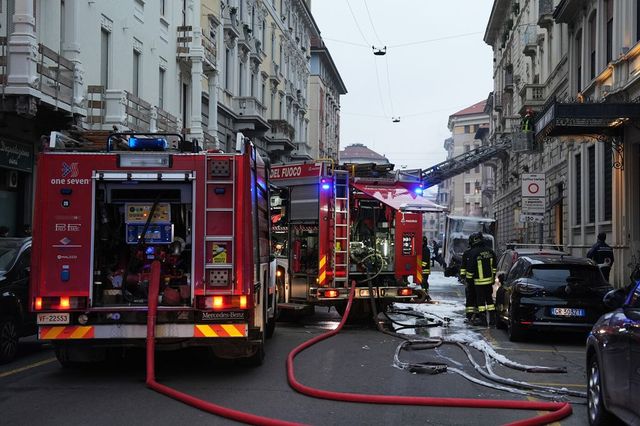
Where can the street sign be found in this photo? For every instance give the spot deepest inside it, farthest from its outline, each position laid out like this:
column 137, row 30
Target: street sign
column 533, row 185
column 531, row 218
column 533, row 205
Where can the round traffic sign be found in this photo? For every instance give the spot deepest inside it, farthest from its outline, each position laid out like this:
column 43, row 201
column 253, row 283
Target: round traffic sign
column 533, row 188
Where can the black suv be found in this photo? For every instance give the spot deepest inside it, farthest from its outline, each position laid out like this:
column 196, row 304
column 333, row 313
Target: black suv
column 15, row 319
column 551, row 292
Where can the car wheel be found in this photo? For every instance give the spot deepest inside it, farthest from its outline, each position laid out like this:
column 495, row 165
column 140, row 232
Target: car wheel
column 598, row 414
column 8, row 339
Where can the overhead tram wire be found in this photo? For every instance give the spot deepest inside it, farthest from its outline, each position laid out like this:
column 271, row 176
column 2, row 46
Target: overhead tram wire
column 411, row 43
column 373, row 27
column 355, row 20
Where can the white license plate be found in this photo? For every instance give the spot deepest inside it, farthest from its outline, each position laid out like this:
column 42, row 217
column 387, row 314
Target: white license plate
column 568, row 312
column 48, row 319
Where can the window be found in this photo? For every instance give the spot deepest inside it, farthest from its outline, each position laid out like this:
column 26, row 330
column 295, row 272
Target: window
column 272, row 105
column 273, row 44
column 477, row 169
column 591, row 158
column 592, row 46
column 467, row 129
column 578, row 203
column 163, row 7
column 241, row 82
column 607, row 181
column 263, row 93
column 578, row 53
column 228, row 69
column 608, row 7
column 104, row 58
column 467, row 188
column 161, row 89
column 135, row 86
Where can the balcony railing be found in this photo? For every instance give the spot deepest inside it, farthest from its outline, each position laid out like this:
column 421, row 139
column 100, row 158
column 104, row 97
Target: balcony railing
column 184, row 37
column 532, row 97
column 248, row 107
column 282, row 130
column 3, row 60
column 56, row 75
column 166, row 122
column 109, row 107
column 210, row 51
column 497, row 101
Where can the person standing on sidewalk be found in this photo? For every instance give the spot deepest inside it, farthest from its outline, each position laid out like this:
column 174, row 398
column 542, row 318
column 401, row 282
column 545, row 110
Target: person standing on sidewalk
column 602, row 254
column 471, row 307
column 481, row 268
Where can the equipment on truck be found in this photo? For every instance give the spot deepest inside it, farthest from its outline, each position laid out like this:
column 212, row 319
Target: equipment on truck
column 332, row 225
column 104, row 214
column 458, row 229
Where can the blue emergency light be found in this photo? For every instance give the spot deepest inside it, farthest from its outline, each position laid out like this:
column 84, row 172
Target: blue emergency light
column 324, row 184
column 418, row 190
column 147, row 144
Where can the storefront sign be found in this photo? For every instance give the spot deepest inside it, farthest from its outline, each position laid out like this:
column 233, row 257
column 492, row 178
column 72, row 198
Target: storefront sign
column 15, row 155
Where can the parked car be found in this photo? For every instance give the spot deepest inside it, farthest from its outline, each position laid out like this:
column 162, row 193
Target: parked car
column 613, row 363
column 16, row 320
column 551, row 292
column 509, row 257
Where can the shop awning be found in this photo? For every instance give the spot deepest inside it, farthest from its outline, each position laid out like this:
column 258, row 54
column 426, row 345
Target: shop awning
column 574, row 118
column 399, row 198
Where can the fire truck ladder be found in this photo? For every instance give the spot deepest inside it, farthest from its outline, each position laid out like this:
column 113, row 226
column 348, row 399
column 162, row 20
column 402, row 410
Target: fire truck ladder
column 341, row 227
column 219, row 259
column 461, row 163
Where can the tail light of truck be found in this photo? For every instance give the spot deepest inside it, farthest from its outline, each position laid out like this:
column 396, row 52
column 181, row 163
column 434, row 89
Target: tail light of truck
column 222, row 302
column 329, row 293
column 405, row 292
column 59, row 303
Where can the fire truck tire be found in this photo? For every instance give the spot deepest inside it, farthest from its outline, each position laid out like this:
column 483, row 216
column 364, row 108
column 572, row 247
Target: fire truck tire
column 8, row 339
column 271, row 322
column 63, row 356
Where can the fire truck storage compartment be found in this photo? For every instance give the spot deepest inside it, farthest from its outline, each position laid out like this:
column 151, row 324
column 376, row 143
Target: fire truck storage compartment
column 123, row 256
column 372, row 236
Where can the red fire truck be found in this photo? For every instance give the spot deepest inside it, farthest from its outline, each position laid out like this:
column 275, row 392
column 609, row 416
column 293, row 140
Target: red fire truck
column 102, row 216
column 356, row 222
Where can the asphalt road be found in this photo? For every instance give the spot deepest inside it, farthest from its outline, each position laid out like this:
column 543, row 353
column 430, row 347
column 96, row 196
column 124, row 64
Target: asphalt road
column 35, row 390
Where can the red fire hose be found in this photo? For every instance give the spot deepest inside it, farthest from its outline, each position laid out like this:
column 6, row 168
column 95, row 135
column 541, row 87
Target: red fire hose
column 557, row 410
column 219, row 410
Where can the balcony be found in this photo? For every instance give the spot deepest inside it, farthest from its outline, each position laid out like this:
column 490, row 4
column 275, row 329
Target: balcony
column 250, row 113
column 106, row 108
column 166, row 122
column 210, row 52
column 302, row 152
column 230, row 22
column 530, row 41
column 508, row 79
column 532, row 97
column 545, row 13
column 275, row 73
column 281, row 135
column 497, row 101
column 184, row 37
column 52, row 83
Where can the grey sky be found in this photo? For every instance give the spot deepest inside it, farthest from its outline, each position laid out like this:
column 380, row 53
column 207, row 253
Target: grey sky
column 428, row 81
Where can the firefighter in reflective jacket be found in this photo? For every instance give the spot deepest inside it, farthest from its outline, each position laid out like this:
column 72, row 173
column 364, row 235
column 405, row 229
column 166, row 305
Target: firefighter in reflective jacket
column 471, row 308
column 426, row 259
column 481, row 268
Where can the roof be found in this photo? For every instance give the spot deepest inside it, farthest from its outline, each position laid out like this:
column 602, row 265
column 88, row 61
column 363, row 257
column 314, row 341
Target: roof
column 472, row 110
column 558, row 260
column 361, row 152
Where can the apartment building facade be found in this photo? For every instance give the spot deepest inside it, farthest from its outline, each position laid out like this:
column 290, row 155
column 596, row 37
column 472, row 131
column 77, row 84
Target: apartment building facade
column 462, row 194
column 580, row 78
column 204, row 68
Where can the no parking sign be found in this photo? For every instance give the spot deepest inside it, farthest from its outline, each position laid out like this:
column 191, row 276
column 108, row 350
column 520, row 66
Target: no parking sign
column 533, row 185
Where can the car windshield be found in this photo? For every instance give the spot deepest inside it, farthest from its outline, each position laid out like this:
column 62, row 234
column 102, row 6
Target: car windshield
column 8, row 252
column 552, row 276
